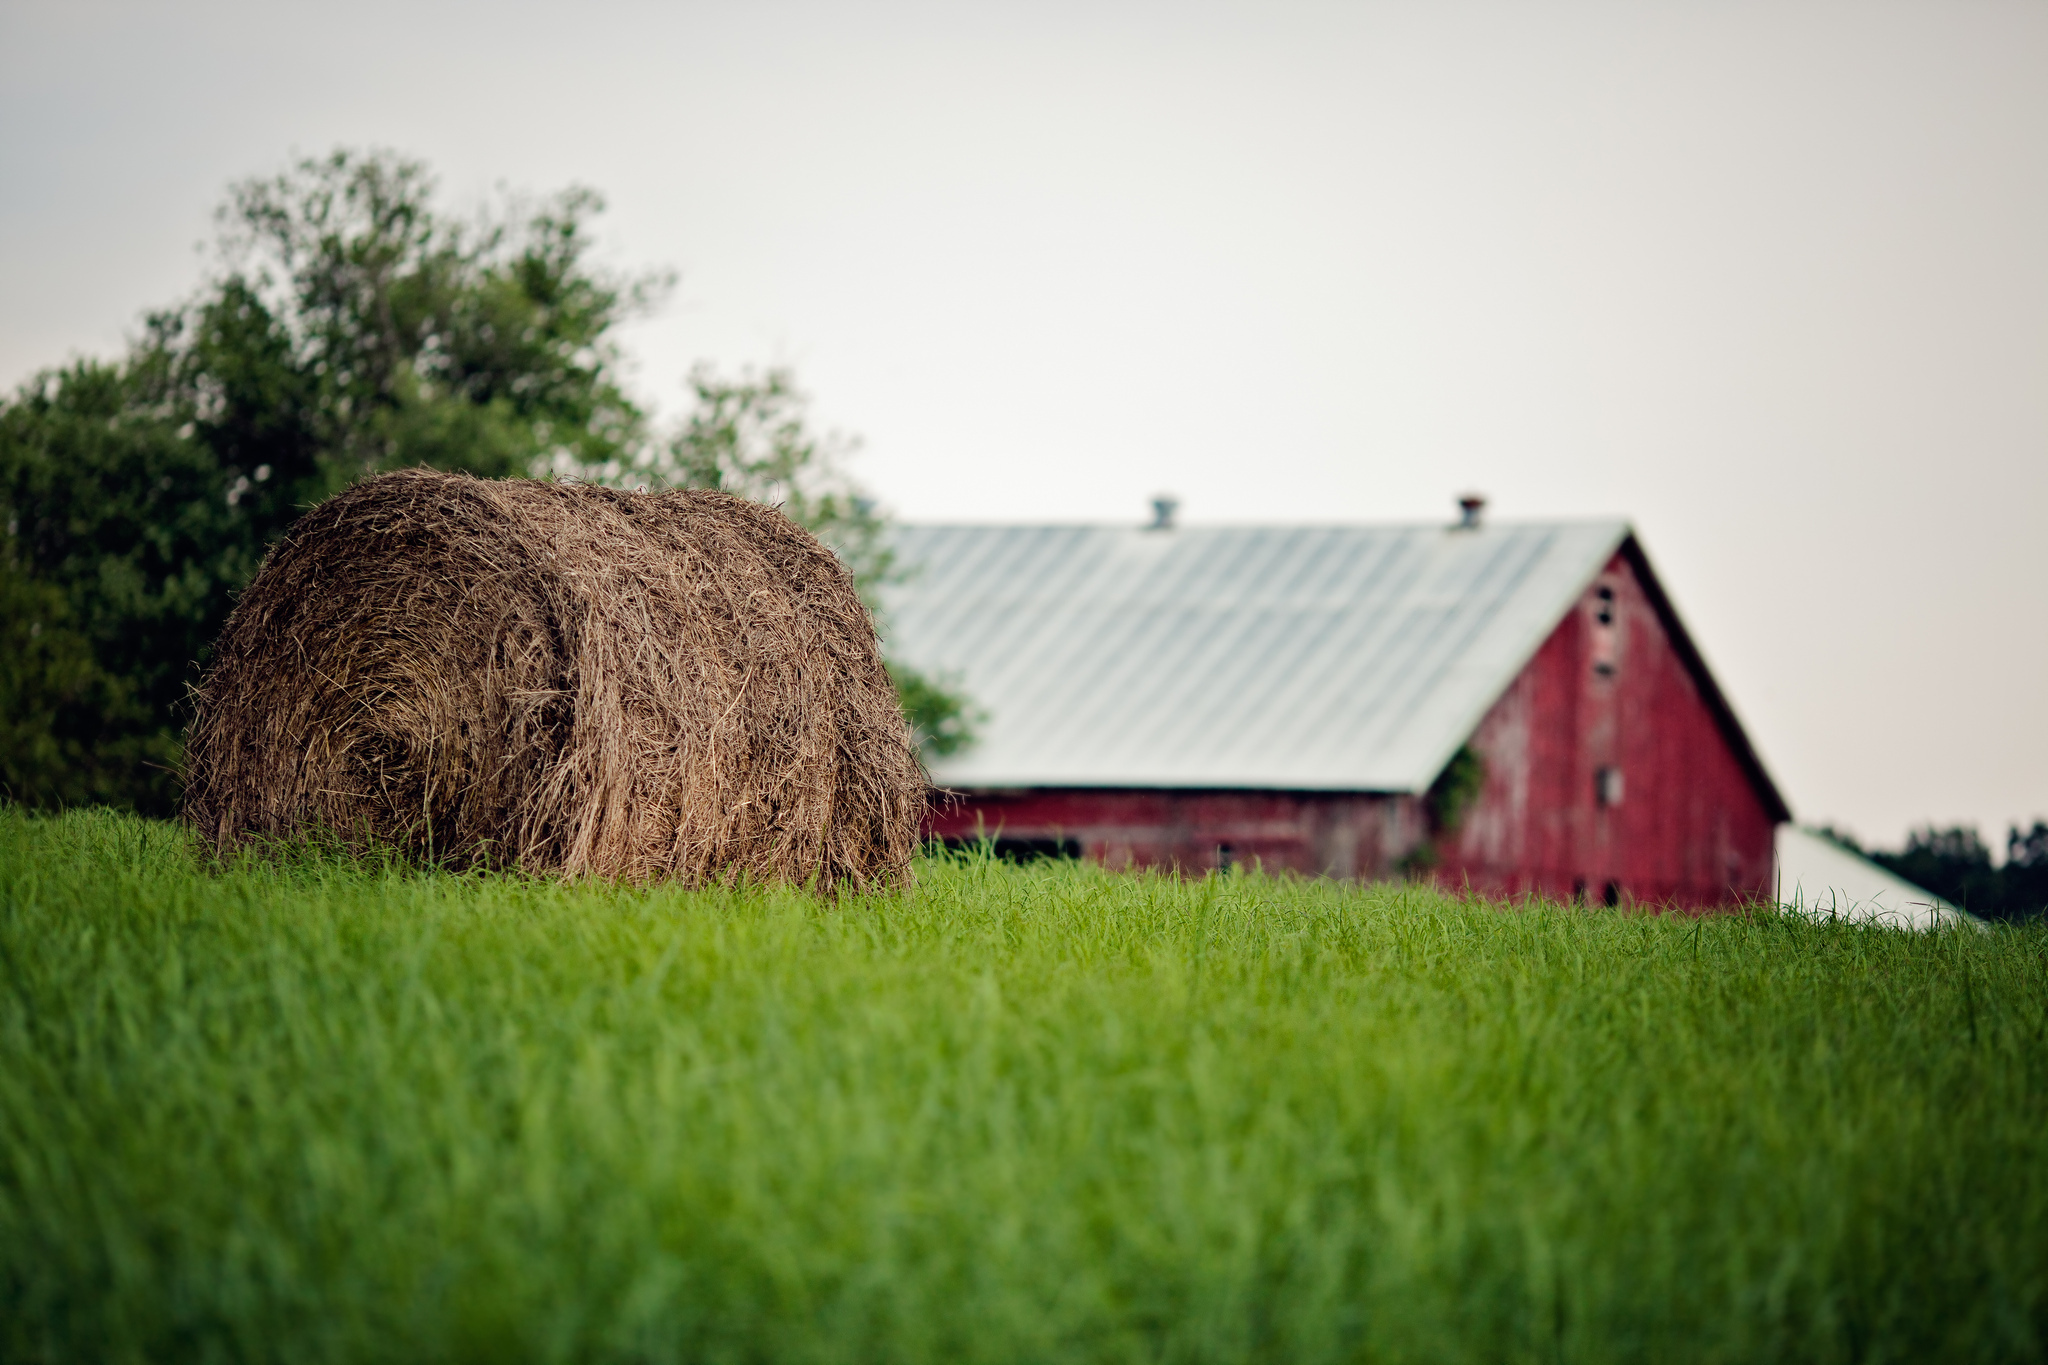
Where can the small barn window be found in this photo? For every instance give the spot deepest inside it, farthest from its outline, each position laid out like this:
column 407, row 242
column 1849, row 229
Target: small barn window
column 1607, row 786
column 1606, row 644
column 1226, row 857
column 1611, row 897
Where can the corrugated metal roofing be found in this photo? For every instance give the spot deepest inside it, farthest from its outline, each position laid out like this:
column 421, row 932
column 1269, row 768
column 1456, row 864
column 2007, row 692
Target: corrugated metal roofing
column 1353, row 658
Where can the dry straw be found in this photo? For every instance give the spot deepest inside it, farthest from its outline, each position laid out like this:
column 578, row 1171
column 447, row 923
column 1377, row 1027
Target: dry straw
column 562, row 678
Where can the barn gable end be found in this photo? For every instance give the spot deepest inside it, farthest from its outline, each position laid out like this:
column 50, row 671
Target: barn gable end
column 1610, row 774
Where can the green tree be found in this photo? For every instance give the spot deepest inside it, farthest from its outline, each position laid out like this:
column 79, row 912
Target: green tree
column 122, row 546
column 368, row 331
column 2025, row 874
column 751, row 436
column 1955, row 864
column 350, row 327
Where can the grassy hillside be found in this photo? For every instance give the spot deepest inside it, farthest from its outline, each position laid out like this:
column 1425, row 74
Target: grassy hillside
column 330, row 1111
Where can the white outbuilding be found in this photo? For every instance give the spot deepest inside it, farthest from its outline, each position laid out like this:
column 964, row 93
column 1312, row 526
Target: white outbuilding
column 1820, row 879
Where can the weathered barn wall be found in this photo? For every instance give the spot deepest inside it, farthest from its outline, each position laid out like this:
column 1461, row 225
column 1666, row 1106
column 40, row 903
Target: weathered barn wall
column 1338, row 834
column 1609, row 777
column 1609, row 774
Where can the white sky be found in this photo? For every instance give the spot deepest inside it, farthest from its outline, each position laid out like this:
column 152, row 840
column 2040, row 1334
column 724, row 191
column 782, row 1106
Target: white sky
column 1770, row 279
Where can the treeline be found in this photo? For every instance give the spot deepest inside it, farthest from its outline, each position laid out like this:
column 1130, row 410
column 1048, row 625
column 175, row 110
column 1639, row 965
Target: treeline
column 350, row 326
column 1955, row 864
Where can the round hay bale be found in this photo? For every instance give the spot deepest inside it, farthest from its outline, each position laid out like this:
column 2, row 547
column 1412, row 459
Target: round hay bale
column 560, row 678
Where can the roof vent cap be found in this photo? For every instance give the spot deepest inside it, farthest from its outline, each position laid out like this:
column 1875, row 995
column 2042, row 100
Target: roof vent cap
column 1470, row 505
column 1163, row 508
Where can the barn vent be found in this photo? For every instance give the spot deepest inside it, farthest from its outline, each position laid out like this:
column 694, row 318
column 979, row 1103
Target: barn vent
column 1469, row 507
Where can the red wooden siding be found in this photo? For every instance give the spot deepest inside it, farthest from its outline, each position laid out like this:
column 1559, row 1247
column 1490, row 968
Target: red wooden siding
column 1691, row 826
column 1683, row 816
column 1316, row 833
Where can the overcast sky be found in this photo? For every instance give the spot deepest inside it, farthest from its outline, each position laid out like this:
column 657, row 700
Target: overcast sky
column 1771, row 279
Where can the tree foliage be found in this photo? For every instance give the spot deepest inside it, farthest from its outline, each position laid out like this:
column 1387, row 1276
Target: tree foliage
column 416, row 338
column 1955, row 864
column 1449, row 798
column 1451, row 795
column 350, row 326
column 121, row 551
column 751, row 436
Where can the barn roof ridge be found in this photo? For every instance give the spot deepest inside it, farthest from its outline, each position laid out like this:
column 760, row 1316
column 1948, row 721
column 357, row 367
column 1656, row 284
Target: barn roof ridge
column 1717, row 701
column 1180, row 526
column 1297, row 656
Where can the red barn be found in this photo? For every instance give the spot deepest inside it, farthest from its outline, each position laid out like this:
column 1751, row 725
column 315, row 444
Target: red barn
column 1515, row 708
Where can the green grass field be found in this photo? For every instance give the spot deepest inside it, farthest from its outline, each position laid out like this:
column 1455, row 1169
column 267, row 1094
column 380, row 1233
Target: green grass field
column 322, row 1110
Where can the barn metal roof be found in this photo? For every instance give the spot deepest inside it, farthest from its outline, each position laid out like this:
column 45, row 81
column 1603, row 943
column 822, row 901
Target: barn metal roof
column 1351, row 658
